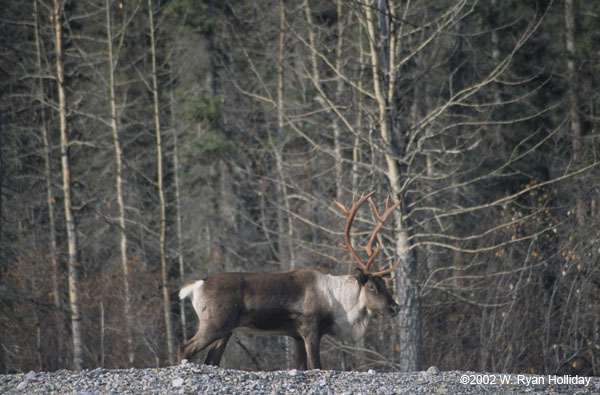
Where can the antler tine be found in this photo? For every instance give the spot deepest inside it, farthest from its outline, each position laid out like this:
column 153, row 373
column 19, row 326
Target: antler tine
column 380, row 220
column 350, row 214
column 388, row 280
column 388, row 270
column 373, row 256
column 340, row 205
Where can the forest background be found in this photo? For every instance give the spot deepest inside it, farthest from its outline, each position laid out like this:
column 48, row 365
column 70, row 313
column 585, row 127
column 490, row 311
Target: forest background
column 147, row 143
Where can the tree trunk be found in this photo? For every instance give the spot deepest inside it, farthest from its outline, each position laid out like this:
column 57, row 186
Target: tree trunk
column 48, row 179
column 286, row 231
column 161, row 196
column 575, row 121
column 337, row 133
column 409, row 317
column 178, row 211
column 102, row 334
column 73, row 263
column 119, row 189
column 316, row 78
column 284, row 223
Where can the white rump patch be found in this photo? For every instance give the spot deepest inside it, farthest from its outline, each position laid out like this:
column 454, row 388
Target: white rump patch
column 189, row 289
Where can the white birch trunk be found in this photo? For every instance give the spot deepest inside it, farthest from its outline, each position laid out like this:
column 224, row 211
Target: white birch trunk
column 73, row 262
column 119, row 189
column 161, row 196
column 180, row 261
column 49, row 189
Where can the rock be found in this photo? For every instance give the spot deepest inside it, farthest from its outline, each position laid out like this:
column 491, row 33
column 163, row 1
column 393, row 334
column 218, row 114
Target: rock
column 96, row 372
column 178, row 382
column 434, row 371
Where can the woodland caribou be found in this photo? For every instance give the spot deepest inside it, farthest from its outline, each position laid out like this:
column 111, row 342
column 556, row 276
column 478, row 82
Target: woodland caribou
column 303, row 304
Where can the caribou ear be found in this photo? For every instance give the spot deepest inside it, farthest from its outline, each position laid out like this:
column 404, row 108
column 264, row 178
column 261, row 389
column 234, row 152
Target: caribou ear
column 360, row 276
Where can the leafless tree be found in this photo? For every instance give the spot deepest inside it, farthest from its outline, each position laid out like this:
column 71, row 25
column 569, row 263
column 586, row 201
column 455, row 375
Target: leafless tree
column 73, row 261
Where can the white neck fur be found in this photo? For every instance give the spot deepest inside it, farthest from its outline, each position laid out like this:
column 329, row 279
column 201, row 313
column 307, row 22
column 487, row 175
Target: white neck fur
column 344, row 296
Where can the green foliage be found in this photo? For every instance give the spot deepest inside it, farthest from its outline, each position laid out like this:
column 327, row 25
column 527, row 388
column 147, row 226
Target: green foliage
column 210, row 144
column 194, row 15
column 201, row 108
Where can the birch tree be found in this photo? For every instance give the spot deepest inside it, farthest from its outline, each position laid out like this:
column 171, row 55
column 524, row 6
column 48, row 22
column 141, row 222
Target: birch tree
column 161, row 193
column 73, row 262
column 47, row 170
column 113, row 60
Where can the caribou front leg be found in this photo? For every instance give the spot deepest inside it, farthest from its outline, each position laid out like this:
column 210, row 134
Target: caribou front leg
column 300, row 354
column 312, row 341
column 313, row 345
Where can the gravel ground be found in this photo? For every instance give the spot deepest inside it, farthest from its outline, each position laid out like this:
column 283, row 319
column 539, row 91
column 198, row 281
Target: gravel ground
column 199, row 379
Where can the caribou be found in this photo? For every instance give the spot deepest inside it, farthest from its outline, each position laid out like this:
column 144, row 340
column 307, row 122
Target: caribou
column 303, row 304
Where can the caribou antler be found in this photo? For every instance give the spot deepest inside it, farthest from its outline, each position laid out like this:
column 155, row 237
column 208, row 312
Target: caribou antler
column 350, row 214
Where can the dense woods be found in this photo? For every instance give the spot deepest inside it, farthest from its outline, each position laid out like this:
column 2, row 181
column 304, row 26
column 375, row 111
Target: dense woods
column 144, row 144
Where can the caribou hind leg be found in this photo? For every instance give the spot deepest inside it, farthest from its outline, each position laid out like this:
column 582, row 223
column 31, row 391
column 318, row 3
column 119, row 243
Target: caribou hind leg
column 215, row 351
column 199, row 342
column 214, row 327
column 192, row 347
